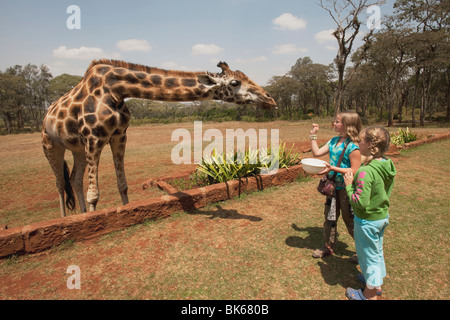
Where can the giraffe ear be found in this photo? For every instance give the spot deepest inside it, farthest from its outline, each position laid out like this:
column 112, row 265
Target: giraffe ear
column 206, row 80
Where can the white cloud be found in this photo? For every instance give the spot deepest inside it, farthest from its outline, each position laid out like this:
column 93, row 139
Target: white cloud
column 289, row 48
column 134, row 45
column 331, row 48
column 289, row 22
column 82, row 53
column 58, row 67
column 206, row 49
column 325, row 36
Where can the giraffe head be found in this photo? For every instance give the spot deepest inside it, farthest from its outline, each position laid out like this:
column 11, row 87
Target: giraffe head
column 236, row 87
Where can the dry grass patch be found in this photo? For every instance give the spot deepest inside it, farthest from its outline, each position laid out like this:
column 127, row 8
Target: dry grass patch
column 255, row 247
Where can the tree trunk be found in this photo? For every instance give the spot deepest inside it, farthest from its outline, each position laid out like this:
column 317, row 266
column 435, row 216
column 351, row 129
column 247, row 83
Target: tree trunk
column 390, row 98
column 38, row 125
column 338, row 96
column 364, row 106
column 7, row 119
column 403, row 102
column 328, row 105
column 422, row 106
column 317, row 106
column 447, row 118
column 426, row 83
column 415, row 100
column 391, row 113
column 19, row 119
column 381, row 112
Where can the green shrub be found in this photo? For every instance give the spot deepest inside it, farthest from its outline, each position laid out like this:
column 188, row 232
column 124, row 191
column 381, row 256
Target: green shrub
column 402, row 137
column 218, row 168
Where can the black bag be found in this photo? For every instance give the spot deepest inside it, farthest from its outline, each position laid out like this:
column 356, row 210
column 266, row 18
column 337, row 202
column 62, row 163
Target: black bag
column 327, row 186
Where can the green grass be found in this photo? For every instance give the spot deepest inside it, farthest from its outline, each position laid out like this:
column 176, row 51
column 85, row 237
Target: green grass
column 416, row 248
column 255, row 247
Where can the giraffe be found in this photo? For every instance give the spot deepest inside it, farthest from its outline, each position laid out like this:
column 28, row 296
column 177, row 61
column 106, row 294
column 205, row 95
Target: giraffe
column 94, row 114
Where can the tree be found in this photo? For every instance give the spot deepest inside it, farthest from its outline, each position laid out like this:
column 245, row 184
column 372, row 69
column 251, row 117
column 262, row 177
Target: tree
column 424, row 15
column 62, row 84
column 282, row 89
column 35, row 97
column 12, row 88
column 429, row 22
column 387, row 57
column 361, row 88
column 38, row 82
column 307, row 86
column 313, row 83
column 345, row 14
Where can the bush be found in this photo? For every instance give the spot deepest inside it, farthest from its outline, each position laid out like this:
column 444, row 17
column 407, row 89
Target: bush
column 402, row 137
column 218, row 168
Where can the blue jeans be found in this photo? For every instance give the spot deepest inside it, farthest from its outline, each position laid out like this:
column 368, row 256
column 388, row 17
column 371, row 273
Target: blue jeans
column 369, row 247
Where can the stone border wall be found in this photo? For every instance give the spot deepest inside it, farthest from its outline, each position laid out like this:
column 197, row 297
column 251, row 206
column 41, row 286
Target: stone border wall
column 44, row 235
column 395, row 150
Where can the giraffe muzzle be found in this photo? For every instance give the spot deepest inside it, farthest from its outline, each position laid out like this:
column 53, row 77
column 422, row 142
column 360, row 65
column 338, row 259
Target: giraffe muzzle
column 269, row 104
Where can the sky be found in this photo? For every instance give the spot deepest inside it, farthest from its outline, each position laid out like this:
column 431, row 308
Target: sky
column 262, row 38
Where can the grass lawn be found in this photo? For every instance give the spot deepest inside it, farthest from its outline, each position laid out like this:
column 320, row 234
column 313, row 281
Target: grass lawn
column 255, row 247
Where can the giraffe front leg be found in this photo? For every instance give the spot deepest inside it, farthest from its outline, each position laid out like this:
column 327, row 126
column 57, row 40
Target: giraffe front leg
column 76, row 177
column 93, row 160
column 118, row 143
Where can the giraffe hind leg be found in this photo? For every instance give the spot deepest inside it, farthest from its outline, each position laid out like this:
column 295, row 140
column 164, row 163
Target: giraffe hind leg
column 70, row 202
column 55, row 156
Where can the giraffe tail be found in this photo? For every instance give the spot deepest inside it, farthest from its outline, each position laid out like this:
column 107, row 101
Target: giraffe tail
column 70, row 202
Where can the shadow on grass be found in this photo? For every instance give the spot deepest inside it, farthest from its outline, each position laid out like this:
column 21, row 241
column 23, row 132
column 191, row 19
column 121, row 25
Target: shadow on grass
column 336, row 269
column 224, row 214
column 188, row 205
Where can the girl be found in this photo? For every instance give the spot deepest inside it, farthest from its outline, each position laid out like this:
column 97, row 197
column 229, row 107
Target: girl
column 347, row 125
column 369, row 198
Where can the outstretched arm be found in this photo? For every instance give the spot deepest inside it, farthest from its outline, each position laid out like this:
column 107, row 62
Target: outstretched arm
column 316, row 151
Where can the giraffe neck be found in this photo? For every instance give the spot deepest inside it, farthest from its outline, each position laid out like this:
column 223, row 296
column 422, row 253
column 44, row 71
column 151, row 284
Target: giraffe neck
column 154, row 84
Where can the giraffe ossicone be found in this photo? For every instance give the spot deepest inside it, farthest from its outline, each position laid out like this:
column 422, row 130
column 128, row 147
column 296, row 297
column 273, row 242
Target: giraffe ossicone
column 94, row 114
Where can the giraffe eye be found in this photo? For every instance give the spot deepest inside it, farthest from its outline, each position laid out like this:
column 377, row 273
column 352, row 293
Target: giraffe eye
column 235, row 83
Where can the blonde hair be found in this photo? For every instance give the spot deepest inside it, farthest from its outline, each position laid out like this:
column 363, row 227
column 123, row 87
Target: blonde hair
column 352, row 123
column 378, row 139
